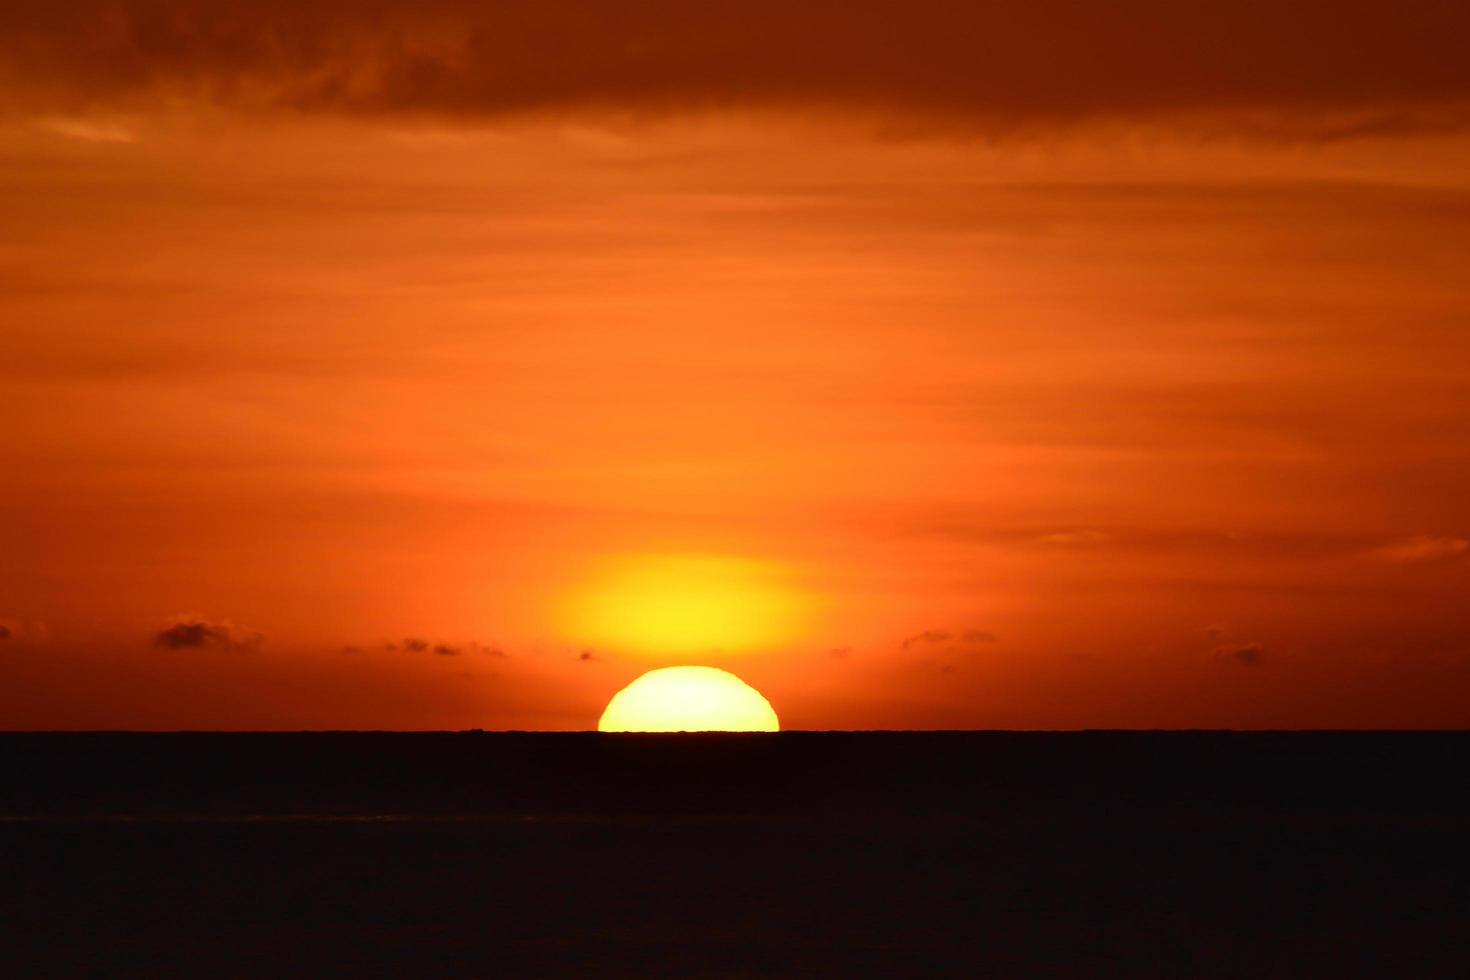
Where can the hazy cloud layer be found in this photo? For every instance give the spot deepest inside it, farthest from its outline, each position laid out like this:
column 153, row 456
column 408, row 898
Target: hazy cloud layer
column 1005, row 63
column 1425, row 548
column 1077, row 539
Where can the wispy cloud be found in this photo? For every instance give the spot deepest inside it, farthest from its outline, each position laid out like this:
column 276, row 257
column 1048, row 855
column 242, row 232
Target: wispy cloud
column 443, row 648
column 87, row 130
column 1424, row 548
column 933, row 638
column 1085, row 538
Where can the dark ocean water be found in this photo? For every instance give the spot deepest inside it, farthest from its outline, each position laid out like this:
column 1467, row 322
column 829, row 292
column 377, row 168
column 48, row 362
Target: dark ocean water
column 1099, row 854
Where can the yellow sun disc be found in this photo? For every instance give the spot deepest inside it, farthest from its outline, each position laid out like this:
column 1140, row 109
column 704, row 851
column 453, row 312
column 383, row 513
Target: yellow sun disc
column 689, row 699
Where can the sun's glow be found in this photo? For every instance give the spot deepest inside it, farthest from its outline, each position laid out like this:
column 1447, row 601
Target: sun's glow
column 687, row 605
column 689, row 699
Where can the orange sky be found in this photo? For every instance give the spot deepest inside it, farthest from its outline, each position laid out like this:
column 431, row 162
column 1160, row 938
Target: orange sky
column 439, row 365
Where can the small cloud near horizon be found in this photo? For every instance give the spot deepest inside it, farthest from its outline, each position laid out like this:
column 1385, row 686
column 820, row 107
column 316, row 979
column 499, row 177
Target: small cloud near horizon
column 1245, row 654
column 196, row 633
column 19, row 631
column 942, row 637
column 442, row 648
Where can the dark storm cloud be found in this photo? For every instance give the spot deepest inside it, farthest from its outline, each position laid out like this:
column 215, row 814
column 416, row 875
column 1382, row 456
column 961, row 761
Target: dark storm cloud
column 1005, row 62
column 196, row 634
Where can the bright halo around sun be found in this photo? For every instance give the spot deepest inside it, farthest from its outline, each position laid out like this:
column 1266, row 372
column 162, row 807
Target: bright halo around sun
column 678, row 606
column 689, row 699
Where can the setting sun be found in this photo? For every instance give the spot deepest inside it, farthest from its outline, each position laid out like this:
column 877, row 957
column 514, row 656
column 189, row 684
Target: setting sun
column 689, row 699
column 1060, row 409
